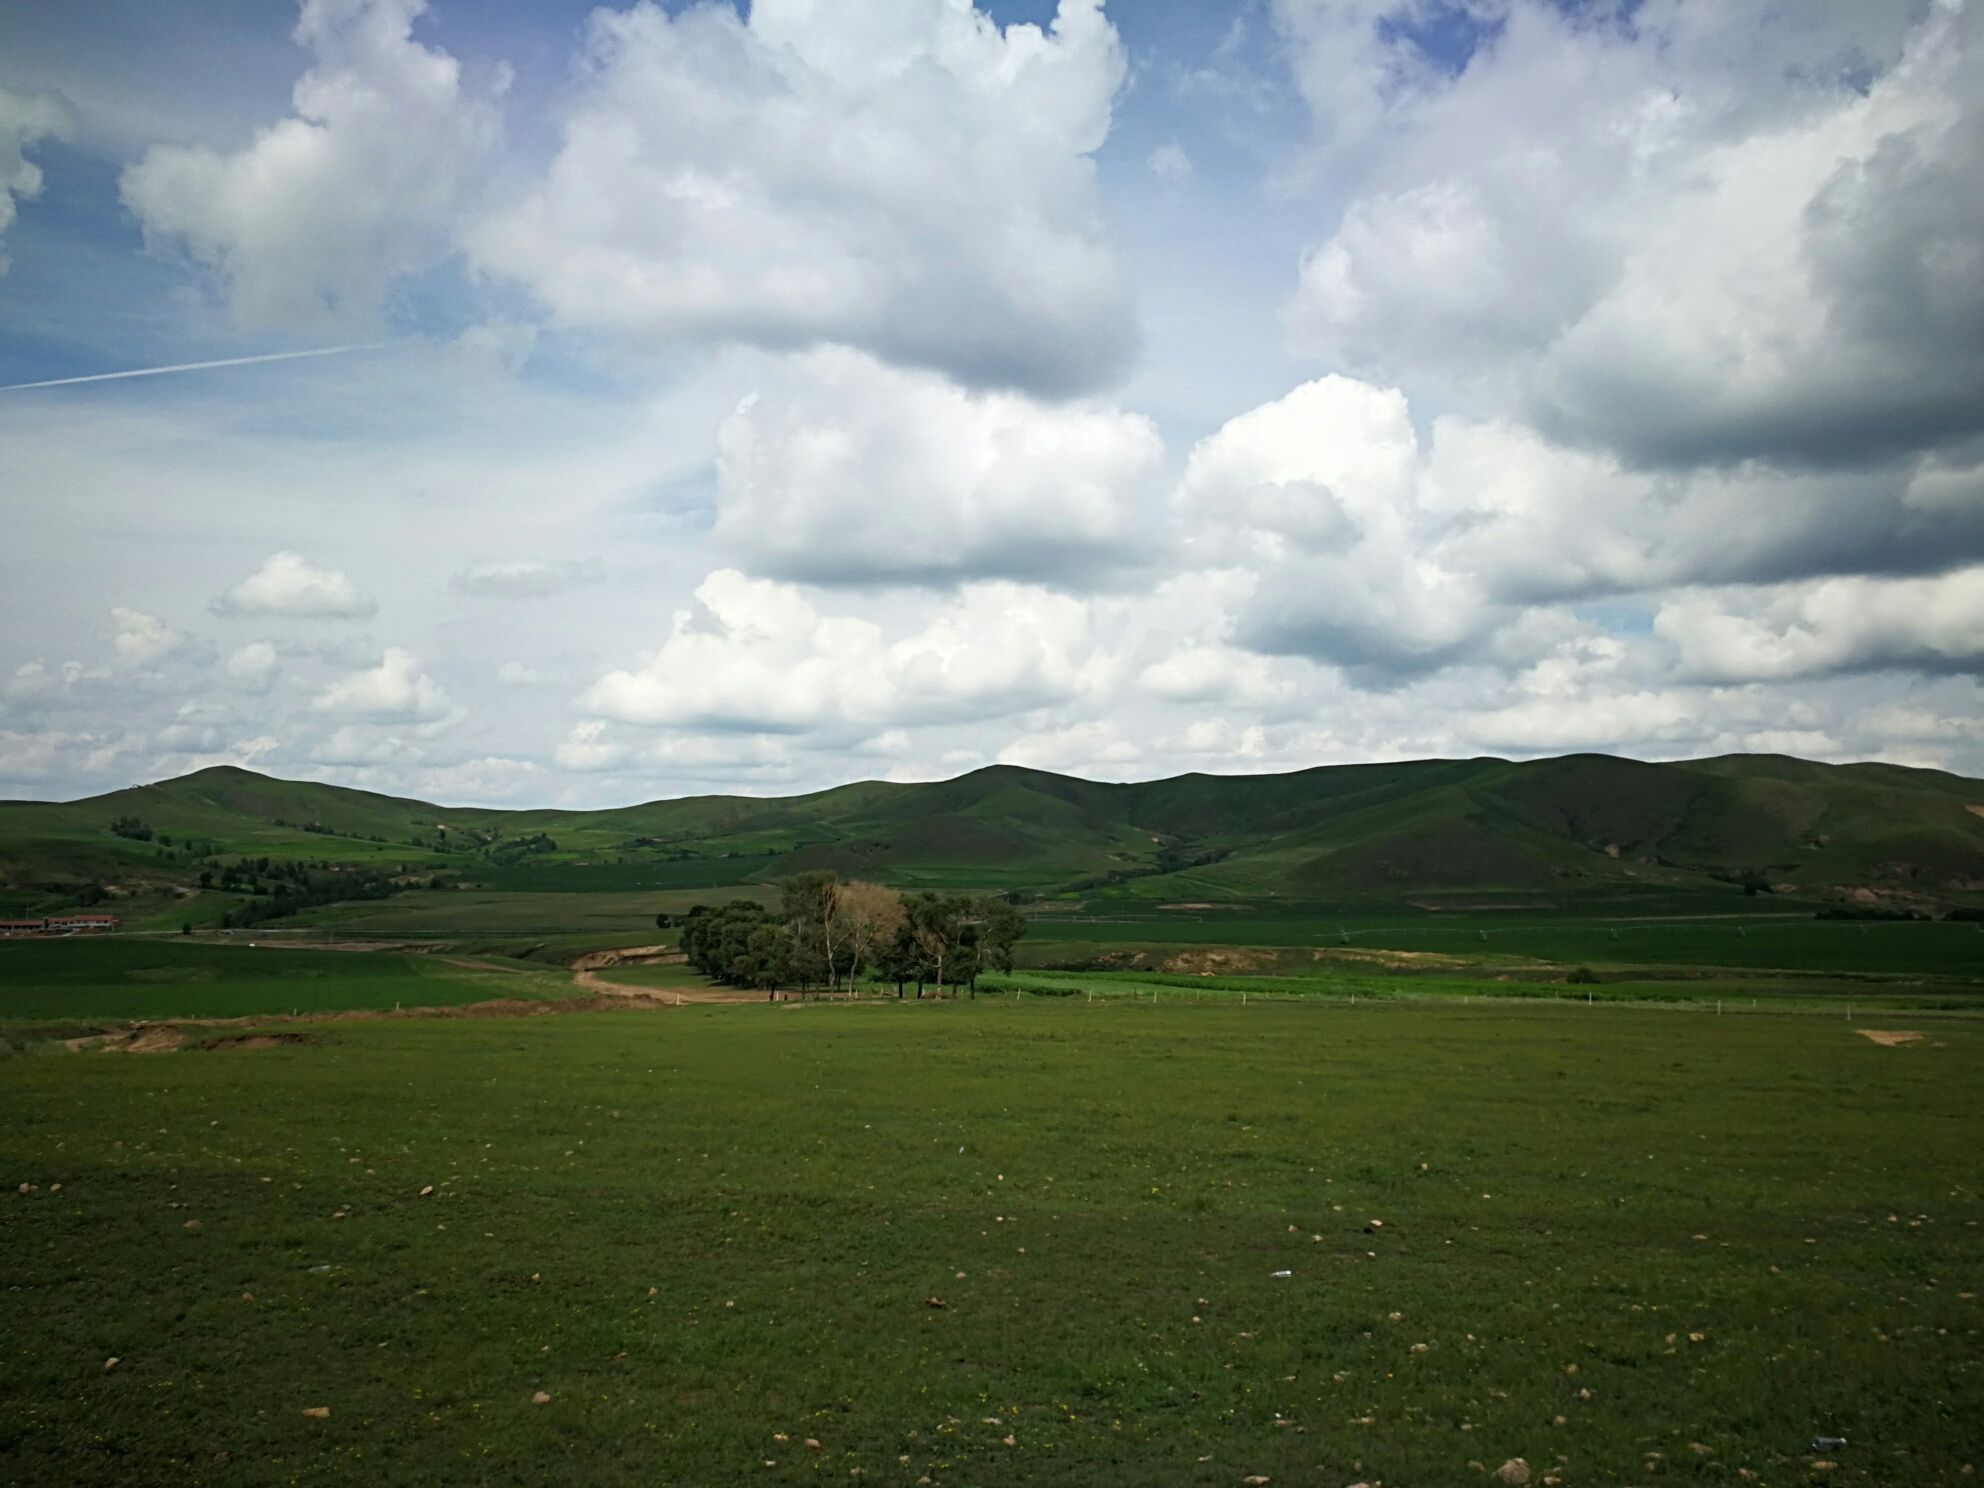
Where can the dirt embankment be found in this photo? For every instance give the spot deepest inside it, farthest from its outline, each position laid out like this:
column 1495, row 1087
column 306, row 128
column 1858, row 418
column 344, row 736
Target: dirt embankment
column 654, row 955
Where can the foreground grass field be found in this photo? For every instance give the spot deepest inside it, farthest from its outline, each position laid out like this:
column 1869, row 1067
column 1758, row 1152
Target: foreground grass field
column 999, row 1243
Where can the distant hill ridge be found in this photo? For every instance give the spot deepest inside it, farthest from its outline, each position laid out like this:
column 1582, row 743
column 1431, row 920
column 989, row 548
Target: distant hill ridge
column 1395, row 832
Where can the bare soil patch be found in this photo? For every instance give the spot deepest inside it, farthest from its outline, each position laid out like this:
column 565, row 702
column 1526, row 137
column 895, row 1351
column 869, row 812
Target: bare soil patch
column 125, row 1040
column 154, row 1041
column 1889, row 1039
column 1215, row 962
column 258, row 1041
column 1362, row 956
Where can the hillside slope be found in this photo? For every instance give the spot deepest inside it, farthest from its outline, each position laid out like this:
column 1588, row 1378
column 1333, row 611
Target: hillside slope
column 1428, row 832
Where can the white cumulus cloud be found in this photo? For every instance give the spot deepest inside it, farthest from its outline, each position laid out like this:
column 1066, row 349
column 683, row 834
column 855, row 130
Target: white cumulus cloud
column 756, row 656
column 841, row 469
column 288, row 584
column 394, row 689
column 24, row 119
column 904, row 176
column 1833, row 625
column 311, row 222
column 1760, row 241
column 139, row 639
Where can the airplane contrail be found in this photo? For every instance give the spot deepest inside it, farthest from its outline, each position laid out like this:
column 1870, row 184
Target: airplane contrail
column 273, row 356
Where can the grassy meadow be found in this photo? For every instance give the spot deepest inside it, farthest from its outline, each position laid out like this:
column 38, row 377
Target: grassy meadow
column 1002, row 1242
column 1373, row 1126
column 162, row 980
column 1778, row 942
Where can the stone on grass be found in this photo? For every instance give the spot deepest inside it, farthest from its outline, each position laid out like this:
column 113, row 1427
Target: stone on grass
column 317, row 1412
column 1515, row 1471
column 111, row 1363
column 540, row 1398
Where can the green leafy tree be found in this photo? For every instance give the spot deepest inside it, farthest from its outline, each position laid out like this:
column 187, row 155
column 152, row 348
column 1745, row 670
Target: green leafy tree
column 810, row 904
column 1001, row 927
column 938, row 922
column 900, row 958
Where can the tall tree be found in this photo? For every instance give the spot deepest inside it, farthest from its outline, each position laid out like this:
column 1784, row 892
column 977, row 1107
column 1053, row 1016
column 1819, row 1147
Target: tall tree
column 900, row 957
column 938, row 923
column 766, row 959
column 1000, row 928
column 870, row 915
column 811, row 904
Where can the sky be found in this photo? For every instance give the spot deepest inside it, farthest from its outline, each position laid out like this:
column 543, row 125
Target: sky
column 585, row 404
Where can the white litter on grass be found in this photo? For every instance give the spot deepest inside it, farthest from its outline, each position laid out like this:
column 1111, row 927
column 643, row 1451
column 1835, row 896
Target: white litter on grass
column 1284, row 1273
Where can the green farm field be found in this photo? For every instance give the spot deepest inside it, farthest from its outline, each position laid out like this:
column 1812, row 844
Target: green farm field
column 999, row 1243
column 608, row 918
column 1780, row 942
column 158, row 980
column 1732, row 993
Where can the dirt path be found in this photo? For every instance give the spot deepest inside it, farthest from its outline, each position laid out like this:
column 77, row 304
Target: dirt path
column 593, row 984
column 594, row 995
column 585, row 977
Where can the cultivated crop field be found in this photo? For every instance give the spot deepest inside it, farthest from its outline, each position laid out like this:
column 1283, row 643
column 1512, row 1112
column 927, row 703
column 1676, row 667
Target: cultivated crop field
column 607, row 918
column 166, row 979
column 999, row 1242
column 1777, row 941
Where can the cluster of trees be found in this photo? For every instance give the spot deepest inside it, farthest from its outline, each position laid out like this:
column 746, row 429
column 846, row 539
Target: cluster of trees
column 132, row 827
column 328, row 831
column 291, row 886
column 515, row 849
column 1174, row 857
column 827, row 933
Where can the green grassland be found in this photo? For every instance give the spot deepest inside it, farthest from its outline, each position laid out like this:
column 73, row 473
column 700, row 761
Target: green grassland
column 1731, row 992
column 1582, row 834
column 1900, row 948
column 609, row 917
column 157, row 980
column 1030, row 1237
column 999, row 1243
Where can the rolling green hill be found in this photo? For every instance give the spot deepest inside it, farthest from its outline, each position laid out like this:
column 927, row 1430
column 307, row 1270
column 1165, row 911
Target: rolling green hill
column 1435, row 834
